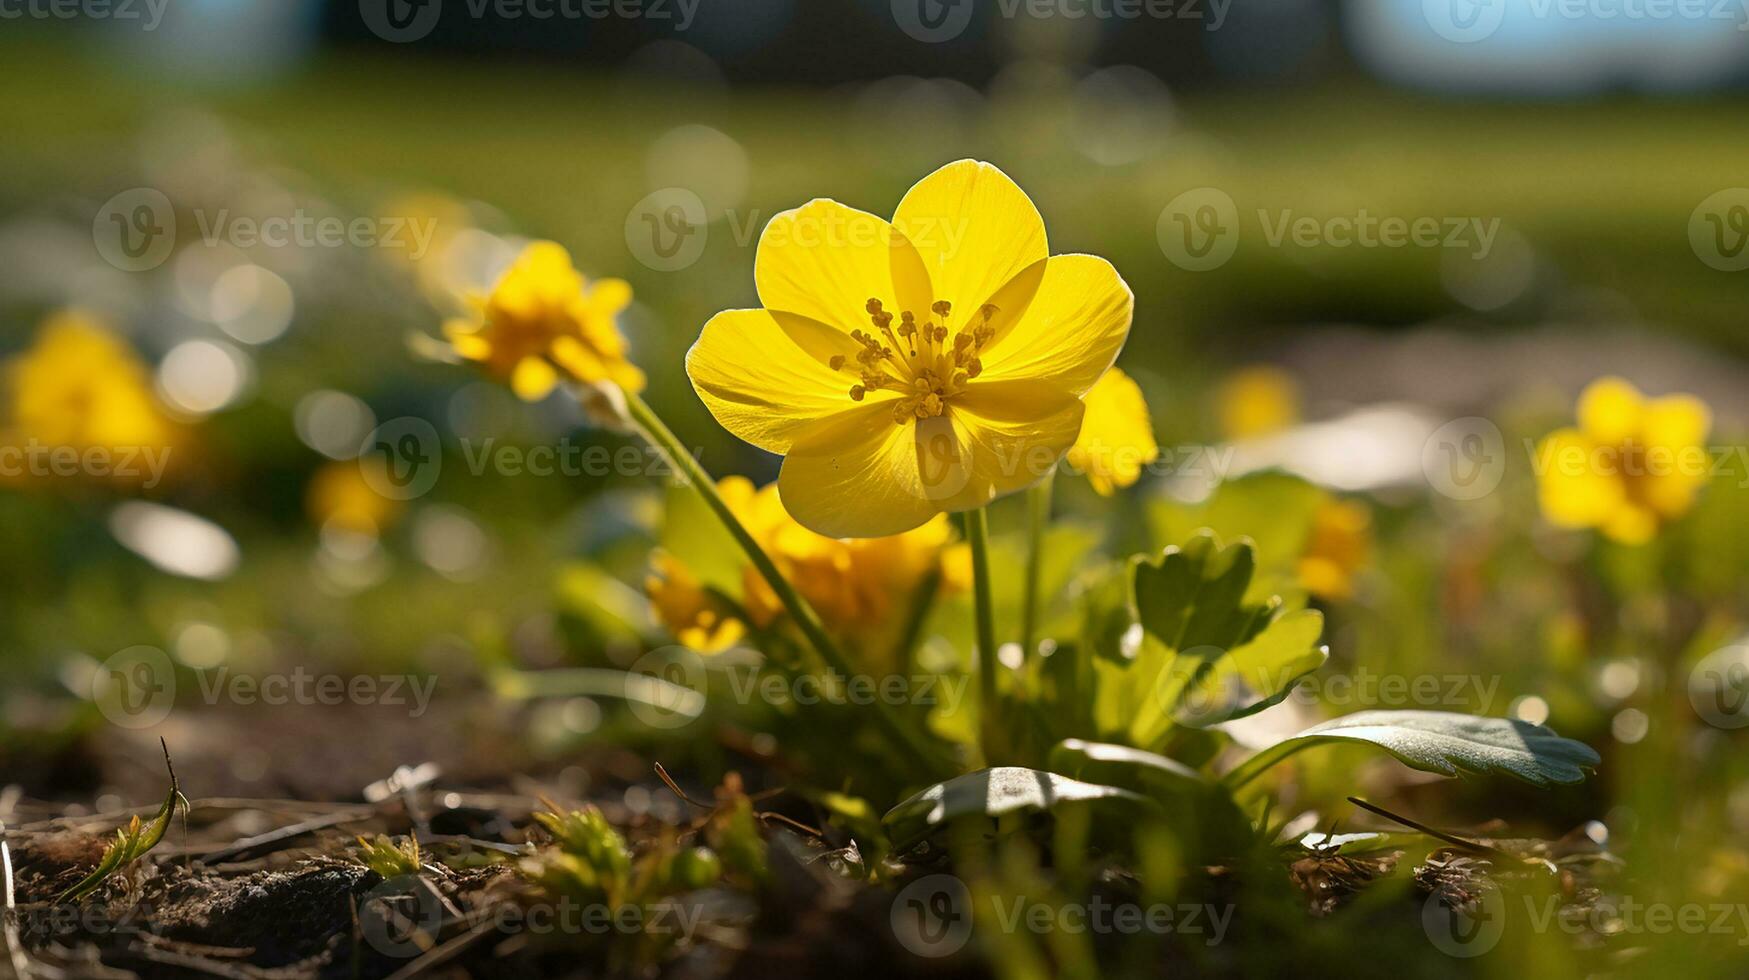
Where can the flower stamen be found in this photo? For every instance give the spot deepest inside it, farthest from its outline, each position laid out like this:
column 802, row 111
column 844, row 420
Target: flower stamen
column 926, row 369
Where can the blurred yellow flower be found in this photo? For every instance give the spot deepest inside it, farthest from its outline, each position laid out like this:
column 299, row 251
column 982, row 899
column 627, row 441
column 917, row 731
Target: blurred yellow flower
column 1256, row 401
column 859, row 586
column 79, row 402
column 340, row 496
column 1117, row 437
column 543, row 318
column 1337, row 547
column 1631, row 464
column 695, row 617
column 917, row 367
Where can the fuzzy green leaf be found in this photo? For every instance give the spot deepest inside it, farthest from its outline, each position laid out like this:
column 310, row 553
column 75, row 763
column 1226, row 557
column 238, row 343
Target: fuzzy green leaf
column 992, row 794
column 1445, row 743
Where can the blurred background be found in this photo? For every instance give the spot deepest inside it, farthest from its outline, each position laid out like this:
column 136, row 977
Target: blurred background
column 225, row 226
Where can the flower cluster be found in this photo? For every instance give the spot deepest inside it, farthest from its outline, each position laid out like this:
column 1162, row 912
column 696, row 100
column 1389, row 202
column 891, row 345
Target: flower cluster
column 859, row 586
column 1631, row 465
column 543, row 323
column 81, row 387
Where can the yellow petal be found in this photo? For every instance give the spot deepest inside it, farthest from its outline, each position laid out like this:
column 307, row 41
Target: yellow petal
column 825, row 261
column 1577, row 487
column 857, row 475
column 1671, row 494
column 1117, row 436
column 1610, row 410
column 1676, row 460
column 1675, row 420
column 607, row 297
column 1631, row 525
column 1012, row 434
column 1062, row 321
column 533, row 379
column 975, row 229
column 760, row 384
column 542, row 276
column 464, row 338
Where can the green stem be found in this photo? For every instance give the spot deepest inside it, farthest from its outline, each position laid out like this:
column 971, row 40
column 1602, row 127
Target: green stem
column 978, row 535
column 806, row 619
column 1038, row 501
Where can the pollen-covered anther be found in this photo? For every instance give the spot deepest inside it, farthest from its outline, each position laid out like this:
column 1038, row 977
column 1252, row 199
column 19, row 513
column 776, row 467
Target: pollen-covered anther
column 858, row 392
column 836, row 362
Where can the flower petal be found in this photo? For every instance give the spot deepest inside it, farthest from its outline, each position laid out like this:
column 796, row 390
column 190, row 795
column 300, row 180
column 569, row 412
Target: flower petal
column 825, row 261
column 975, row 229
column 1574, row 489
column 1063, row 321
column 857, row 475
column 1610, row 410
column 533, row 379
column 1117, row 435
column 1011, row 435
column 607, row 297
column 759, row 383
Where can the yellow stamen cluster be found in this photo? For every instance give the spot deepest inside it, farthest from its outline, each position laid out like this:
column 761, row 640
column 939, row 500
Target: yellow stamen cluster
column 916, row 359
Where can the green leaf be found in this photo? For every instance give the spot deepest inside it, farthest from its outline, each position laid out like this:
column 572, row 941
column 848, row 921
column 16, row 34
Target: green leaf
column 1273, row 509
column 994, row 794
column 1194, row 651
column 1444, row 743
column 1125, row 767
column 1193, row 596
column 1257, row 674
column 1205, row 819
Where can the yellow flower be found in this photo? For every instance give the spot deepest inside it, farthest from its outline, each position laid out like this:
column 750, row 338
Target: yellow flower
column 1256, row 401
column 916, row 367
column 543, row 317
column 694, row 616
column 340, row 496
column 81, row 387
column 861, row 587
column 1117, row 438
column 1338, row 546
column 1632, row 464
